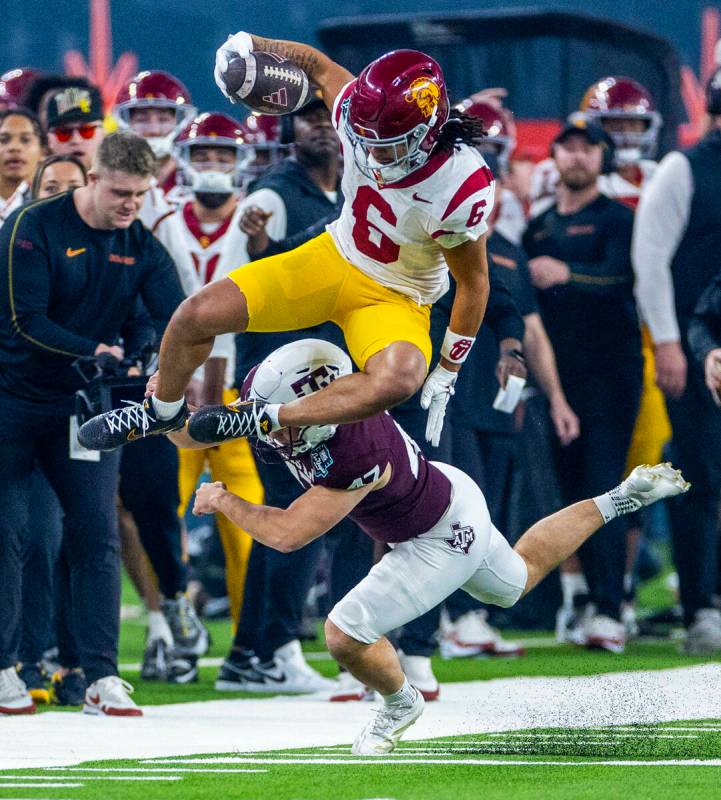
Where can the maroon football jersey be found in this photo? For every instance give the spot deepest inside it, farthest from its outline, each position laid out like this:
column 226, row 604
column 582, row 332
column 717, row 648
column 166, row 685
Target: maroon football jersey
column 414, row 499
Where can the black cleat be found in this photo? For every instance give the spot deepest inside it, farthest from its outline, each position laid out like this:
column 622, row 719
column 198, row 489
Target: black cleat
column 122, row 425
column 216, row 424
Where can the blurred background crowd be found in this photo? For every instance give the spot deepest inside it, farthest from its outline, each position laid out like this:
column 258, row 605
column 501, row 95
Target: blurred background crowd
column 605, row 252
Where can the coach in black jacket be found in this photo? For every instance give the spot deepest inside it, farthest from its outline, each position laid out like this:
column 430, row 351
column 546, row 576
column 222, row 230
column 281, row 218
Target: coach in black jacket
column 72, row 268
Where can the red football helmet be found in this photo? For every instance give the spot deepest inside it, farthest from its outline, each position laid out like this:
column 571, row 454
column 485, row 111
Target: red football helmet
column 154, row 89
column 613, row 100
column 211, row 130
column 395, row 113
column 263, row 132
column 13, row 83
column 499, row 125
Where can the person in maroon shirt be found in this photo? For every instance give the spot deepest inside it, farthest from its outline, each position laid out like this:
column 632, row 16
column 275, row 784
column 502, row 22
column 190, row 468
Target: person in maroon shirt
column 433, row 516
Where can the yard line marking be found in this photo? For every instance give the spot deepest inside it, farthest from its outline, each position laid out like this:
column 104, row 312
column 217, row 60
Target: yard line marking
column 379, row 760
column 590, row 737
column 94, row 778
column 41, row 785
column 144, row 769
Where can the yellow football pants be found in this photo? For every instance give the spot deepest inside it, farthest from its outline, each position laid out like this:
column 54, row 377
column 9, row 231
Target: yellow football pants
column 233, row 464
column 314, row 283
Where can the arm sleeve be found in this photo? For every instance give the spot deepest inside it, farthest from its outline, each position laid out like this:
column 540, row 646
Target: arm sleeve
column 161, row 291
column 297, row 239
column 661, row 219
column 704, row 332
column 138, row 330
column 502, row 314
column 26, row 287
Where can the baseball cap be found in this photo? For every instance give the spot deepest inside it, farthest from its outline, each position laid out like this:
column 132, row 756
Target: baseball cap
column 74, row 104
column 594, row 133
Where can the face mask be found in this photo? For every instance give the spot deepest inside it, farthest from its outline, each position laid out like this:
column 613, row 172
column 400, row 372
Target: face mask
column 211, row 200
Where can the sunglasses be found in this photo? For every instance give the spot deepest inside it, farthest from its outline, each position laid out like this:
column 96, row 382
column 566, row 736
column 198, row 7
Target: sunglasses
column 66, row 134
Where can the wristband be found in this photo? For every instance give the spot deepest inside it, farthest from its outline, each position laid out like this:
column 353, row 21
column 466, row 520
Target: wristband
column 455, row 348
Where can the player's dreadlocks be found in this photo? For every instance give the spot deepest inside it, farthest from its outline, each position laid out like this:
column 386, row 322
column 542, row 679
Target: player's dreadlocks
column 459, row 129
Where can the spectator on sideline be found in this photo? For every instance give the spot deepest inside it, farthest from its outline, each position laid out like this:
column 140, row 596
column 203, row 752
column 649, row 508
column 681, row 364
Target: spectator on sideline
column 676, row 253
column 74, row 267
column 75, row 122
column 22, row 145
column 57, row 174
column 580, row 263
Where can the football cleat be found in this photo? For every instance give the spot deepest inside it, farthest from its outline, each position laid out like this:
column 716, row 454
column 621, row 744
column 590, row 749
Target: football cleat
column 605, row 633
column 419, row 672
column 349, row 689
column 36, row 682
column 69, row 689
column 111, row 696
column 190, row 636
column 645, row 485
column 471, row 635
column 183, row 669
column 14, row 696
column 390, row 721
column 134, row 421
column 216, row 424
column 704, row 636
column 156, row 660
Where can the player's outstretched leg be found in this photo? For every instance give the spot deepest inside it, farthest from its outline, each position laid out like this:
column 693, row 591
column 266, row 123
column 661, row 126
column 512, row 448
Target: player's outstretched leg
column 551, row 540
column 217, row 308
column 377, row 666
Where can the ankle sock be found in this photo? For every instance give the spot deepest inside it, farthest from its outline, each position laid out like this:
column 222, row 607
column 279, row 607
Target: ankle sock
column 167, row 410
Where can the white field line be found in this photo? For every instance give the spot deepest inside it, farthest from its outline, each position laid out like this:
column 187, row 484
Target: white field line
column 96, row 778
column 41, row 785
column 145, row 770
column 384, row 760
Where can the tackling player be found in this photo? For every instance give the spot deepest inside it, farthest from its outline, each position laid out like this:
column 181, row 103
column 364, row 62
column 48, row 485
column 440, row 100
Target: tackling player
column 432, row 515
column 417, row 195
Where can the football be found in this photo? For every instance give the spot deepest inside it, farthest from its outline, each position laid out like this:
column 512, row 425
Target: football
column 266, row 83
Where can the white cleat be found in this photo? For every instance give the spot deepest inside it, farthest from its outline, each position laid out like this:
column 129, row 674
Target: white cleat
column 646, row 484
column 299, row 676
column 471, row 635
column 390, row 721
column 111, row 696
column 605, row 633
column 419, row 672
column 14, row 695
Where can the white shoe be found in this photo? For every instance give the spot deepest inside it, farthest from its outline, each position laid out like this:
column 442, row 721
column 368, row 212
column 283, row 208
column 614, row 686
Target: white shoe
column 471, row 635
column 629, row 619
column 605, row 633
column 349, row 689
column 704, row 636
column 288, row 672
column 388, row 724
column 111, row 696
column 571, row 623
column 419, row 672
column 646, row 484
column 14, row 695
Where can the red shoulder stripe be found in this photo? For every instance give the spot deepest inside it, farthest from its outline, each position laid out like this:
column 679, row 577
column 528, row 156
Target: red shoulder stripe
column 478, row 180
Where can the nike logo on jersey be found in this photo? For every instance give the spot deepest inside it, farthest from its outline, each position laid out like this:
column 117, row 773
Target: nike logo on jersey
column 421, row 199
column 70, row 253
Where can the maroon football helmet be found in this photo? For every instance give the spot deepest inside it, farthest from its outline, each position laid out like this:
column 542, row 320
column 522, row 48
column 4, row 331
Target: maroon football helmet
column 263, row 132
column 395, row 113
column 212, row 130
column 615, row 99
column 155, row 89
column 13, row 83
column 499, row 125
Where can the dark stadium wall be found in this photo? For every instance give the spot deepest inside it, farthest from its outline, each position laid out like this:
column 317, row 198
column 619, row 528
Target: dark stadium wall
column 181, row 36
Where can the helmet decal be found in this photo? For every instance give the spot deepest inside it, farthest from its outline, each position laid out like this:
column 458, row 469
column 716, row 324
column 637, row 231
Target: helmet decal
column 426, row 94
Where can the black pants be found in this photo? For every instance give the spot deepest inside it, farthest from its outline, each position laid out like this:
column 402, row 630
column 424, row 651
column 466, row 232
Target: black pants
column 149, row 491
column 42, row 538
column 604, row 391
column 696, row 447
column 86, row 491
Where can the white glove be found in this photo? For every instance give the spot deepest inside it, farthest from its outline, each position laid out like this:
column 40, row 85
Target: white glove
column 240, row 44
column 436, row 393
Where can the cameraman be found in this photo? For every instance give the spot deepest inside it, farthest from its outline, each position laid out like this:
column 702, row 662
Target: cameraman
column 73, row 269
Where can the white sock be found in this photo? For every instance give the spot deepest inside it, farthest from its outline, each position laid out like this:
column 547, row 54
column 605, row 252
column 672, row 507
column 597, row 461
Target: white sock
column 166, row 410
column 158, row 627
column 404, row 696
column 628, row 582
column 572, row 583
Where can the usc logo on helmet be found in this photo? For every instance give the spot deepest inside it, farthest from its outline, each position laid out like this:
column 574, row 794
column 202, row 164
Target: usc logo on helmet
column 425, row 94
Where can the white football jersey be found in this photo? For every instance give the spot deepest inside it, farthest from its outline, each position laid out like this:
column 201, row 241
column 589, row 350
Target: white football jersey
column 613, row 185
column 397, row 233
column 155, row 205
column 203, row 256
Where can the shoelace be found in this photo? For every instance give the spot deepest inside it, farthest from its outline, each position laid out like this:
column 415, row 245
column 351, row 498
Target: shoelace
column 118, row 689
column 134, row 415
column 235, row 424
column 385, row 718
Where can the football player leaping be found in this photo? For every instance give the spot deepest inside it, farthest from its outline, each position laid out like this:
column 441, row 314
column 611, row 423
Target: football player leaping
column 433, row 516
column 417, row 196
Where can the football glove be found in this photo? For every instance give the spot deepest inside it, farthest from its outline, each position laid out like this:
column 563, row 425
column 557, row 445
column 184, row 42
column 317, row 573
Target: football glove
column 436, row 393
column 239, row 44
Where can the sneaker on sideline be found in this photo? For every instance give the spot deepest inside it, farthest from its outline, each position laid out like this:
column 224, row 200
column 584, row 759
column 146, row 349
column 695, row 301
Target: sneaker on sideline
column 36, row 682
column 605, row 633
column 704, row 636
column 190, row 636
column 68, row 689
column 349, row 689
column 14, row 696
column 471, row 635
column 111, row 696
column 419, row 672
